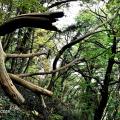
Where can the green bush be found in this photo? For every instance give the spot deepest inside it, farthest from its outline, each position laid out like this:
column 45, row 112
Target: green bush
column 56, row 117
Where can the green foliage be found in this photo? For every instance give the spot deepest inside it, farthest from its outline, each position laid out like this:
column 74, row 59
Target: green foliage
column 32, row 5
column 86, row 20
column 77, row 89
column 55, row 117
column 6, row 1
column 113, row 4
column 41, row 39
column 9, row 111
column 13, row 115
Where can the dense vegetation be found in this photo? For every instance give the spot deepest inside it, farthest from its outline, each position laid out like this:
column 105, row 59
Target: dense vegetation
column 80, row 65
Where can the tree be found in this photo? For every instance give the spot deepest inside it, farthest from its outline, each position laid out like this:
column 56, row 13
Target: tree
column 28, row 20
column 84, row 76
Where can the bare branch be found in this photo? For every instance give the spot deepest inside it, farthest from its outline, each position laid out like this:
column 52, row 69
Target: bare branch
column 60, row 2
column 53, row 71
column 117, row 62
column 30, row 55
column 36, row 20
column 30, row 86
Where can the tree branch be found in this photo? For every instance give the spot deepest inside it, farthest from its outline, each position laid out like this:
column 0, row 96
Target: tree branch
column 6, row 82
column 30, row 86
column 30, row 55
column 93, row 31
column 59, row 3
column 36, row 20
column 116, row 62
column 53, row 71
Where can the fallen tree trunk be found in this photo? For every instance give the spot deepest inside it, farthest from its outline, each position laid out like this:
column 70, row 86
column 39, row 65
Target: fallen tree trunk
column 6, row 82
column 34, row 88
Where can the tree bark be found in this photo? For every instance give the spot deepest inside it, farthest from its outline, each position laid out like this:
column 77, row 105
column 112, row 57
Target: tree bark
column 6, row 82
column 36, row 89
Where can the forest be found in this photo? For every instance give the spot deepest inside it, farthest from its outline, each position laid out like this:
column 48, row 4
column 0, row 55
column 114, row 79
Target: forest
column 59, row 62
